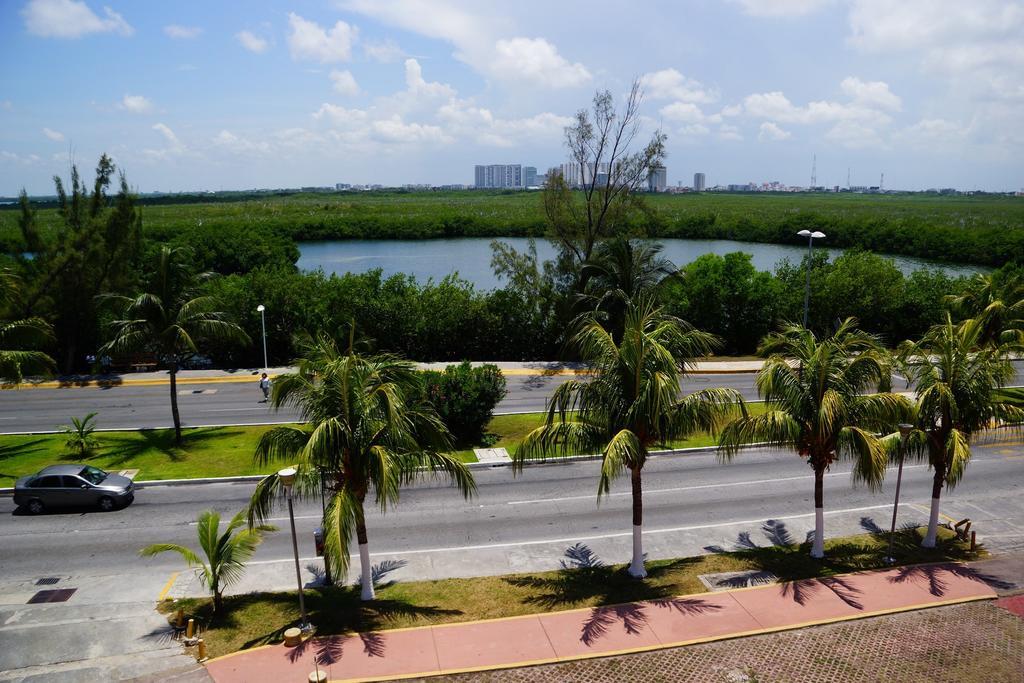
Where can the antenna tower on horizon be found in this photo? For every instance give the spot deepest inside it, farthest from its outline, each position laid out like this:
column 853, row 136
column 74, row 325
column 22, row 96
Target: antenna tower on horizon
column 881, row 183
column 814, row 172
column 847, row 177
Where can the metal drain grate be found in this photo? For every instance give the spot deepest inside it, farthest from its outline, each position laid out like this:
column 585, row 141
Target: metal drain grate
column 57, row 595
column 47, row 581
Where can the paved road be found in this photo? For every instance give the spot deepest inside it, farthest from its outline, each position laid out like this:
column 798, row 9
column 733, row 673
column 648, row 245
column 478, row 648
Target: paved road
column 526, row 523
column 133, row 407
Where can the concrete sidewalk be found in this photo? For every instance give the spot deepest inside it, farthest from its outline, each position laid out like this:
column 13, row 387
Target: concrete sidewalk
column 510, row 368
column 610, row 630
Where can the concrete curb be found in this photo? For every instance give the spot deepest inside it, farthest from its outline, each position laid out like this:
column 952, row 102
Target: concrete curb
column 252, row 478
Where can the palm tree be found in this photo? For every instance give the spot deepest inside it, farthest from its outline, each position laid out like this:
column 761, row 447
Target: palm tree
column 226, row 553
column 996, row 301
column 365, row 429
column 81, row 441
column 620, row 271
column 956, row 373
column 631, row 402
column 814, row 404
column 20, row 338
column 171, row 319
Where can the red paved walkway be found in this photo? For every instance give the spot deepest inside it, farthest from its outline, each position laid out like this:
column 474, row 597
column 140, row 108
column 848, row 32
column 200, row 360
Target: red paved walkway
column 561, row 636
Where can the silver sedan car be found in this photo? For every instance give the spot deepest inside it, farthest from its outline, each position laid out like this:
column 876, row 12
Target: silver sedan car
column 61, row 486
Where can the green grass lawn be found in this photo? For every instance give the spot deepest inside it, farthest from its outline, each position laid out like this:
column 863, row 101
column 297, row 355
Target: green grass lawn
column 212, row 451
column 261, row 618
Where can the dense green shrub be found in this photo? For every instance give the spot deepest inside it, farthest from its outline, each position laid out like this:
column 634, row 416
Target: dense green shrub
column 465, row 396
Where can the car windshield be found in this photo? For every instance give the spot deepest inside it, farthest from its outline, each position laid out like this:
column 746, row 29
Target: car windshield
column 93, row 475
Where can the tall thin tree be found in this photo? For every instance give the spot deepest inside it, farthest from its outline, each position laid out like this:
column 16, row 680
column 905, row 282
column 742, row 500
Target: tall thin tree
column 365, row 434
column 631, row 402
column 955, row 371
column 816, row 405
column 171, row 319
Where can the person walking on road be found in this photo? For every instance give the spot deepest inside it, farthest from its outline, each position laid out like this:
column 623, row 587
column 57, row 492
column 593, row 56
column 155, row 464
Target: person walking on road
column 265, row 387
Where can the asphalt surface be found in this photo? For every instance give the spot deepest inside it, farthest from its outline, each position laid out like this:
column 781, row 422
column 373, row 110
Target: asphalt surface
column 691, row 503
column 201, row 405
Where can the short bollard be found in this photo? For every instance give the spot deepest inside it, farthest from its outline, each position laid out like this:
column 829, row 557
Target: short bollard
column 179, row 619
column 292, row 637
column 202, row 650
column 190, row 632
column 974, row 541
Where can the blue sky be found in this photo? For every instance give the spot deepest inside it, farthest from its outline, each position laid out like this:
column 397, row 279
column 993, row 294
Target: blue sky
column 231, row 95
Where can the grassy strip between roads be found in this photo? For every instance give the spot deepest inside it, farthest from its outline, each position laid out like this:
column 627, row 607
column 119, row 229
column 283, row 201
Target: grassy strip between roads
column 208, row 451
column 261, row 618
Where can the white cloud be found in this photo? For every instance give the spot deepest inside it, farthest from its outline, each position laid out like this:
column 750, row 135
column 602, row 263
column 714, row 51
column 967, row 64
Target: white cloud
column 168, row 134
column 869, row 100
column 855, row 135
column 481, row 41
column 182, row 32
column 252, row 42
column 418, row 85
column 977, row 45
column 669, row 84
column 308, row 40
column 685, row 112
column 230, row 142
column 537, row 61
column 26, row 159
column 385, row 52
column 729, row 132
column 136, row 104
column 344, row 83
column 780, row 8
column 395, row 130
column 70, row 19
column 871, row 93
column 933, row 133
column 53, row 135
column 769, row 131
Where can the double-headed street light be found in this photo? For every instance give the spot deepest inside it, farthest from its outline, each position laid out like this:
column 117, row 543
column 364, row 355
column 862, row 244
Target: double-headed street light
column 811, row 236
column 263, row 323
column 905, row 430
column 287, row 479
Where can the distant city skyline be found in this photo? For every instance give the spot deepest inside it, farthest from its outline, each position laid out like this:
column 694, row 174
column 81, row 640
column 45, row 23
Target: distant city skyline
column 197, row 96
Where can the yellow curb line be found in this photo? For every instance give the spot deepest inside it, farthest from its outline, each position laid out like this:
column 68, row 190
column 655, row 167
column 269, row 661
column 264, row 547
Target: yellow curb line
column 54, row 384
column 167, row 587
column 664, row 646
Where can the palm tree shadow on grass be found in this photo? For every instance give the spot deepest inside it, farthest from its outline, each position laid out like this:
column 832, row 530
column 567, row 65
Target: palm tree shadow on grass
column 126, row 448
column 25, row 448
column 584, row 578
column 337, row 610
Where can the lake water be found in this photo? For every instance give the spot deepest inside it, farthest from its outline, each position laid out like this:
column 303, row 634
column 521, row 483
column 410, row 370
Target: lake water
column 470, row 257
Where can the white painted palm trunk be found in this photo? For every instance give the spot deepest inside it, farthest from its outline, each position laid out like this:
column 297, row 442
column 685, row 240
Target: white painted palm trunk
column 933, row 526
column 818, row 547
column 636, row 567
column 366, row 582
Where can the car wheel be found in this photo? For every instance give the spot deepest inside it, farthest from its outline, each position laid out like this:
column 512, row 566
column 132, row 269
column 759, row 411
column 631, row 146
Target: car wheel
column 107, row 503
column 35, row 506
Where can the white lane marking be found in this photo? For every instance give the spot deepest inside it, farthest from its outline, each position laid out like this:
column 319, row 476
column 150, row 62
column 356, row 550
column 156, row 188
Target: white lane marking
column 570, row 539
column 693, row 488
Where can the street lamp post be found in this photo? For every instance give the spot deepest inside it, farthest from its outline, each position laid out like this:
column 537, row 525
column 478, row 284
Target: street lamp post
column 263, row 324
column 287, row 478
column 904, row 433
column 811, row 236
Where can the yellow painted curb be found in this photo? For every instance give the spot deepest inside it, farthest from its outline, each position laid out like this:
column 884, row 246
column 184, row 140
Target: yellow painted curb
column 510, row 372
column 167, row 587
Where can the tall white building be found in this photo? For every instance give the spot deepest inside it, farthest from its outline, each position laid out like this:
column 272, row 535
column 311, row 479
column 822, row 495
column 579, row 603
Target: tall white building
column 698, row 182
column 498, row 175
column 657, row 179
